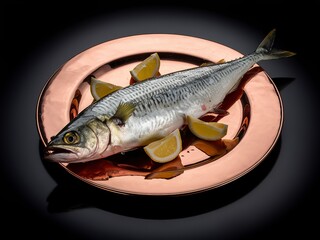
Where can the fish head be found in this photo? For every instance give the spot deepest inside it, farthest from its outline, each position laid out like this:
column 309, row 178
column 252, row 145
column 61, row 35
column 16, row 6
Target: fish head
column 79, row 142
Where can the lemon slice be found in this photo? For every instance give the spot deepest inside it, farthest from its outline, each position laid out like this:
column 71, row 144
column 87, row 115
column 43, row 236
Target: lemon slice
column 148, row 68
column 211, row 131
column 165, row 149
column 99, row 89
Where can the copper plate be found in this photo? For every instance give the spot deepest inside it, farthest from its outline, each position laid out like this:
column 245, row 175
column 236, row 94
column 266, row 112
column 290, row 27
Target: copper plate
column 260, row 108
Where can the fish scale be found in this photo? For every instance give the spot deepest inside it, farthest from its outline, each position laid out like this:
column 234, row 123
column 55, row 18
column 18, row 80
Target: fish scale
column 146, row 111
column 155, row 91
column 163, row 109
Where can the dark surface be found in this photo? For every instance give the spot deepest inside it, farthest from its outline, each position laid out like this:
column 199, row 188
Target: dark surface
column 277, row 199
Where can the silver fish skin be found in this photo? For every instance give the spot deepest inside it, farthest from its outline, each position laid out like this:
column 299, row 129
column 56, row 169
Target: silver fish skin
column 150, row 110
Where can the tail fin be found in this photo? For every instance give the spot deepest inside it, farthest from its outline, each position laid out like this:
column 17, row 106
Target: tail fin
column 265, row 48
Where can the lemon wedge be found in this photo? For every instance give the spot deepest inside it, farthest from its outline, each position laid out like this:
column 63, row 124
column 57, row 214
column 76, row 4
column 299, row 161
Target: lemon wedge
column 99, row 89
column 148, row 68
column 210, row 131
column 165, row 149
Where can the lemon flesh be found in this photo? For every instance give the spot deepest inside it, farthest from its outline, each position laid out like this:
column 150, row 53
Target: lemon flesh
column 148, row 68
column 165, row 149
column 210, row 131
column 99, row 89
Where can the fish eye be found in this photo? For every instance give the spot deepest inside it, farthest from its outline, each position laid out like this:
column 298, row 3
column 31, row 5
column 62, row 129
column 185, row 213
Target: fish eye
column 71, row 138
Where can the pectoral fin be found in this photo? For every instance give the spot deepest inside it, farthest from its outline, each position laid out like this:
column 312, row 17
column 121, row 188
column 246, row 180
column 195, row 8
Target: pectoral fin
column 123, row 113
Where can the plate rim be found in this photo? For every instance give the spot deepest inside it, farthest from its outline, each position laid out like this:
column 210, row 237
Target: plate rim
column 95, row 184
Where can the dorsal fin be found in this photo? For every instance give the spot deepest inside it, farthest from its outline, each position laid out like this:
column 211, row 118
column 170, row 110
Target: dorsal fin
column 206, row 64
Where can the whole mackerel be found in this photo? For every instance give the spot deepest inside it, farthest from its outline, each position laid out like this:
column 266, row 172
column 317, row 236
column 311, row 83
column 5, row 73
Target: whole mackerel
column 147, row 111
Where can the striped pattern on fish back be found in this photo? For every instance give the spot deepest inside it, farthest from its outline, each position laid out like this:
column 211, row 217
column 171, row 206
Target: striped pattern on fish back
column 182, row 88
column 159, row 92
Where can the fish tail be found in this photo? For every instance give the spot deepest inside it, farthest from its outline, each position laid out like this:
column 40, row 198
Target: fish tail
column 268, row 52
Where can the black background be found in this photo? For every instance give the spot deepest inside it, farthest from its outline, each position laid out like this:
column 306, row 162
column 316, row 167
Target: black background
column 277, row 199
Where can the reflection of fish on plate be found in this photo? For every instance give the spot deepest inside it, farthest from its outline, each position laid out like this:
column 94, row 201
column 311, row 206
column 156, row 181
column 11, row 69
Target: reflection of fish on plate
column 144, row 112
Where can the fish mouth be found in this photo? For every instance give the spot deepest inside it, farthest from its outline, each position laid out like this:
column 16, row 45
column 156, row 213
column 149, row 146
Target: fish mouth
column 56, row 150
column 55, row 153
